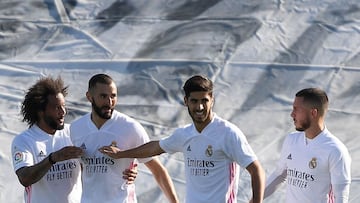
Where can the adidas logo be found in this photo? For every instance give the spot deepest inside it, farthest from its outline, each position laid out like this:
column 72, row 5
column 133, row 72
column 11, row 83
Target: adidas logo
column 188, row 149
column 83, row 146
column 289, row 157
column 41, row 154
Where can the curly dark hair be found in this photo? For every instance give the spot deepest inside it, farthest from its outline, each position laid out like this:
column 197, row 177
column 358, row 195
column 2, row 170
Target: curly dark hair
column 36, row 97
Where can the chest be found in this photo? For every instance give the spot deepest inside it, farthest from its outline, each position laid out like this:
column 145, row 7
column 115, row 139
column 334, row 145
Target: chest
column 203, row 148
column 309, row 160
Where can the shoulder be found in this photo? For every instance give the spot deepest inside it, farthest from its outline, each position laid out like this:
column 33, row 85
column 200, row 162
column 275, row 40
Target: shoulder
column 81, row 120
column 25, row 139
column 226, row 126
column 295, row 135
column 20, row 137
column 121, row 117
column 185, row 128
column 125, row 120
column 220, row 122
column 334, row 144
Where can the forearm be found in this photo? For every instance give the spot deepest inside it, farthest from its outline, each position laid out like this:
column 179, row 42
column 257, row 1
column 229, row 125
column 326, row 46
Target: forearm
column 166, row 185
column 149, row 149
column 274, row 181
column 31, row 174
column 257, row 181
column 163, row 179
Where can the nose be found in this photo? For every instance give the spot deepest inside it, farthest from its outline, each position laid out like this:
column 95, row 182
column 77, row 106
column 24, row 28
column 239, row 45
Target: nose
column 292, row 114
column 200, row 107
column 112, row 101
column 63, row 110
column 109, row 101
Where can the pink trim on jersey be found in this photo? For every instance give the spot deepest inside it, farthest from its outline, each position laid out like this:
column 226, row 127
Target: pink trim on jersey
column 331, row 198
column 131, row 195
column 231, row 190
column 28, row 194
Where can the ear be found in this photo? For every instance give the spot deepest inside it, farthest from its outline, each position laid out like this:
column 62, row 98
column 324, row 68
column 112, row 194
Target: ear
column 314, row 113
column 185, row 101
column 88, row 96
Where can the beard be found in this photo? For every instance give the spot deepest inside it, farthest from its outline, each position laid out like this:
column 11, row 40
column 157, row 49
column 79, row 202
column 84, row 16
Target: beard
column 51, row 122
column 304, row 125
column 98, row 111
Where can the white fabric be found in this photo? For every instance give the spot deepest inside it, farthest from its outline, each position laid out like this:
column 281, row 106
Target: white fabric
column 102, row 175
column 62, row 182
column 341, row 192
column 211, row 159
column 312, row 169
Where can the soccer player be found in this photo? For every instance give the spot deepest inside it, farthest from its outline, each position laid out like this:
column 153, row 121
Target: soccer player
column 44, row 161
column 314, row 163
column 213, row 149
column 102, row 181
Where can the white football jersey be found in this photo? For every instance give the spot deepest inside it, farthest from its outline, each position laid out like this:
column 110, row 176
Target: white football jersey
column 211, row 159
column 62, row 183
column 102, row 175
column 311, row 168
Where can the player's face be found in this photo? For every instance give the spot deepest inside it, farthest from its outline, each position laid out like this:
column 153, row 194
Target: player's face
column 301, row 114
column 55, row 111
column 103, row 99
column 200, row 107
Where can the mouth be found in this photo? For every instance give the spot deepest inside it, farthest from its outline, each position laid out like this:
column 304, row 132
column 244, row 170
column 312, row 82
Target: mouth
column 106, row 110
column 61, row 120
column 199, row 114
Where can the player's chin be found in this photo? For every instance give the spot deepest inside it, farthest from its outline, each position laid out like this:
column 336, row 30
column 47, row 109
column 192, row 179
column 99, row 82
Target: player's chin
column 60, row 125
column 107, row 113
column 299, row 128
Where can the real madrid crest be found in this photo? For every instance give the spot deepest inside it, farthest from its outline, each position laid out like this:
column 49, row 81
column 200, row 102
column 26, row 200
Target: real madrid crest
column 312, row 163
column 209, row 151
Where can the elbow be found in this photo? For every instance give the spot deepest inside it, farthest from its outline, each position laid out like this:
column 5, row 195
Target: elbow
column 24, row 181
column 24, row 178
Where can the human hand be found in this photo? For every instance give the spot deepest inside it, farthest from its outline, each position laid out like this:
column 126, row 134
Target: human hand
column 110, row 150
column 130, row 174
column 68, row 152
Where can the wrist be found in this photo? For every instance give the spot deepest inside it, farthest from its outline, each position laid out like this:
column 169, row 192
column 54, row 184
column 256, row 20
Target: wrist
column 51, row 160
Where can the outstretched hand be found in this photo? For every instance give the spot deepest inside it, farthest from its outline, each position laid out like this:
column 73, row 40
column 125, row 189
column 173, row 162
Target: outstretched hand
column 110, row 151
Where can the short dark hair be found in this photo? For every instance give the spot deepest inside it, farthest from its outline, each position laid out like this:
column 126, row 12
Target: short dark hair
column 99, row 78
column 36, row 98
column 315, row 98
column 198, row 83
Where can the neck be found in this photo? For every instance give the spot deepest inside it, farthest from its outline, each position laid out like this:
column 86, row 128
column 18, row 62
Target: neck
column 46, row 128
column 201, row 125
column 98, row 121
column 314, row 131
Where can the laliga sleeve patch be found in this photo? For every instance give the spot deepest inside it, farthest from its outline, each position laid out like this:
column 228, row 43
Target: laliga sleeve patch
column 18, row 157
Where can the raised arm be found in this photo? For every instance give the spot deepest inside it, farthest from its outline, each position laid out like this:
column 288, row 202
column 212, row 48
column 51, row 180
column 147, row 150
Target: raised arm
column 149, row 149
